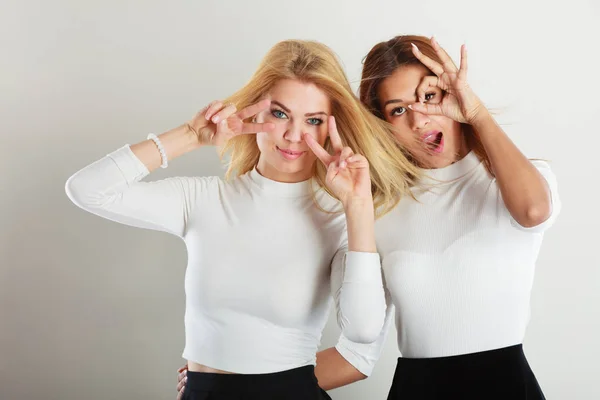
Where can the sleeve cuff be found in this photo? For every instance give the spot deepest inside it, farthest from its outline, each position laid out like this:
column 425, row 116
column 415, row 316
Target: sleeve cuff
column 130, row 166
column 364, row 365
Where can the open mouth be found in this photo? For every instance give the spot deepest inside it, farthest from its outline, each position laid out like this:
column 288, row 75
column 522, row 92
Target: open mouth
column 434, row 141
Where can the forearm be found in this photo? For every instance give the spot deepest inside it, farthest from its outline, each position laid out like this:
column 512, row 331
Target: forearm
column 360, row 220
column 176, row 142
column 334, row 371
column 524, row 190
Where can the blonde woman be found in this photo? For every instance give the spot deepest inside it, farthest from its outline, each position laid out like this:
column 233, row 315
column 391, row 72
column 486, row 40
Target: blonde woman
column 268, row 247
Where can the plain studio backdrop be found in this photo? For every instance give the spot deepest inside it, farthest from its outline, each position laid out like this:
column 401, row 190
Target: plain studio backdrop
column 93, row 309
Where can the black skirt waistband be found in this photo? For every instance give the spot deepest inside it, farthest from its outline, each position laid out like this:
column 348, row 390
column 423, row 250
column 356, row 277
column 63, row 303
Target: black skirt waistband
column 498, row 374
column 251, row 382
column 509, row 353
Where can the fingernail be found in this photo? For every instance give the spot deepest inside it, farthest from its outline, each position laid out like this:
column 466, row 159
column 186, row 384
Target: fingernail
column 415, row 46
column 343, row 164
column 215, row 119
column 410, row 106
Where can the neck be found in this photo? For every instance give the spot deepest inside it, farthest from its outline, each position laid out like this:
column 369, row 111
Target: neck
column 464, row 149
column 273, row 174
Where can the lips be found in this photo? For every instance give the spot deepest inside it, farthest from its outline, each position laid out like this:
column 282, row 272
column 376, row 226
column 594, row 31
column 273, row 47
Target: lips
column 434, row 140
column 289, row 154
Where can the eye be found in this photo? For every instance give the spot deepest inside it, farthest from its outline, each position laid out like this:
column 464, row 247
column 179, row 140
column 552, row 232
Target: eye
column 315, row 121
column 429, row 96
column 434, row 96
column 278, row 114
column 398, row 111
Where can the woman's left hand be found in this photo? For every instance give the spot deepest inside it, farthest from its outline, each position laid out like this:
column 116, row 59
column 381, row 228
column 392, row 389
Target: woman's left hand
column 452, row 95
column 347, row 173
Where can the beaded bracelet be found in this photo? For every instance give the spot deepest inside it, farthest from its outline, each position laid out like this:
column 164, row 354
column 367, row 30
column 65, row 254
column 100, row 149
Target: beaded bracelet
column 161, row 149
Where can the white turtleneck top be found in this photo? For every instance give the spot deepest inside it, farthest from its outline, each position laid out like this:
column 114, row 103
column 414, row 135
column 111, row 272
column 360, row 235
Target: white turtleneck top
column 458, row 268
column 263, row 261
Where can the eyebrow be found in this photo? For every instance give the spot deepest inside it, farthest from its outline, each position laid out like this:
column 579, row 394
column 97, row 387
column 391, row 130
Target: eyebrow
column 288, row 110
column 393, row 101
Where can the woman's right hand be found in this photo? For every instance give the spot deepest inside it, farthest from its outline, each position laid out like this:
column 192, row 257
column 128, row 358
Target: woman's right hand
column 218, row 122
column 181, row 381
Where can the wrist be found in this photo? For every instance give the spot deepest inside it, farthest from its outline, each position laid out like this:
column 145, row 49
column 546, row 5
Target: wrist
column 481, row 119
column 358, row 204
column 472, row 107
column 192, row 136
column 189, row 136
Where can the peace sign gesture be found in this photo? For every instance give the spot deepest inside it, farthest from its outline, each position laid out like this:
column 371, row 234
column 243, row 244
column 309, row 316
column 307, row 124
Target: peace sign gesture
column 218, row 122
column 347, row 173
column 452, row 95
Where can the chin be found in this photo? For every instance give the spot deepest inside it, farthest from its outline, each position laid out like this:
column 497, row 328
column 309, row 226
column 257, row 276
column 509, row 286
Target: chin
column 289, row 167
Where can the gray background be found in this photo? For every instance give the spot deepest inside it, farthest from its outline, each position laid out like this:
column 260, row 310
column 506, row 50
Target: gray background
column 91, row 309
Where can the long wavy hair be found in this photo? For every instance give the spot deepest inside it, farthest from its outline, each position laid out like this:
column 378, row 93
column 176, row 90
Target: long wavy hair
column 392, row 173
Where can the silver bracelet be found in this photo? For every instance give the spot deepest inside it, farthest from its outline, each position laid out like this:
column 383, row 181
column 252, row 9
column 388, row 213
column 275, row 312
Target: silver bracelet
column 161, row 149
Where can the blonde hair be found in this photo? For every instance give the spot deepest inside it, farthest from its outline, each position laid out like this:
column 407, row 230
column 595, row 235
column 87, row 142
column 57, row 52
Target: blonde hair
column 392, row 174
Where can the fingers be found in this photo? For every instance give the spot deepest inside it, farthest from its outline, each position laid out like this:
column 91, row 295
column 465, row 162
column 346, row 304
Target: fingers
column 430, row 109
column 254, row 109
column 447, row 62
column 212, row 109
column 344, row 155
column 224, row 113
column 357, row 161
column 184, row 368
column 332, row 172
column 182, row 376
column 250, row 128
column 181, row 382
column 334, row 136
column 434, row 66
column 429, row 85
column 181, row 385
column 319, row 151
column 462, row 72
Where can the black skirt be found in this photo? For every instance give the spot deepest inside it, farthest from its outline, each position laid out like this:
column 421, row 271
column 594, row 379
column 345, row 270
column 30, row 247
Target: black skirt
column 295, row 384
column 501, row 374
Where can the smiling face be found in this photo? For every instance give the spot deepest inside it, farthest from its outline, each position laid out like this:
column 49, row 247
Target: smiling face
column 296, row 108
column 441, row 137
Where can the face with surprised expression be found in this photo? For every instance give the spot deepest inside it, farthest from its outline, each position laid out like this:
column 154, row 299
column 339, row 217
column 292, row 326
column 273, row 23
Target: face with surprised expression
column 440, row 136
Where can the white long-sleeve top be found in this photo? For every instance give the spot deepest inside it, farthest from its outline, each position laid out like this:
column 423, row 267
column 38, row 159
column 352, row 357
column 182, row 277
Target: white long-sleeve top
column 458, row 268
column 264, row 262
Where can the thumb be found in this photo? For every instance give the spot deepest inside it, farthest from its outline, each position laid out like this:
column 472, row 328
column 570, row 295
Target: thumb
column 431, row 109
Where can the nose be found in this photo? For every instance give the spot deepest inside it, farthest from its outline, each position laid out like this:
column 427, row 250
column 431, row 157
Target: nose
column 293, row 133
column 418, row 120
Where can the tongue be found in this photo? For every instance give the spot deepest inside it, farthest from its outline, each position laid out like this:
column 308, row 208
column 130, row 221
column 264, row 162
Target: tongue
column 434, row 141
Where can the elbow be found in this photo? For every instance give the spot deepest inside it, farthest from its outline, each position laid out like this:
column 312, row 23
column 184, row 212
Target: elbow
column 364, row 333
column 78, row 193
column 74, row 191
column 71, row 189
column 535, row 215
column 362, row 336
